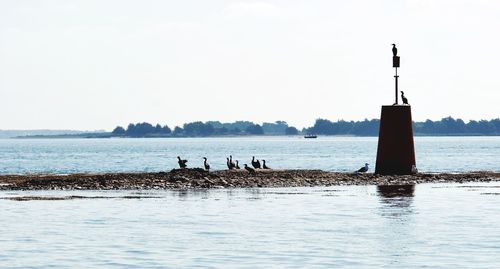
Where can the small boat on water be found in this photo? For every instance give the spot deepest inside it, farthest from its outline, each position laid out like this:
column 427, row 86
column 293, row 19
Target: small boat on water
column 310, row 136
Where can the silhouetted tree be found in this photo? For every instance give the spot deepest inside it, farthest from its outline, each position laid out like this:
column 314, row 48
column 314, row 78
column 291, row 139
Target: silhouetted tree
column 166, row 130
column 118, row 131
column 278, row 127
column 255, row 129
column 178, row 131
column 291, row 131
column 235, row 131
column 198, row 128
column 365, row 128
column 326, row 127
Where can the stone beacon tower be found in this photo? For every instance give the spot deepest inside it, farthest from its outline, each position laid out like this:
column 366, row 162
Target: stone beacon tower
column 396, row 151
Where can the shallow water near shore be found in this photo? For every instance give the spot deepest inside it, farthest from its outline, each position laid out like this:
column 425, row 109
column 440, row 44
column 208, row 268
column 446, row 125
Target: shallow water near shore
column 341, row 154
column 427, row 225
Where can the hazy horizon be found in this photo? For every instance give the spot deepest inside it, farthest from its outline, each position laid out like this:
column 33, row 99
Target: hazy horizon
column 300, row 128
column 90, row 65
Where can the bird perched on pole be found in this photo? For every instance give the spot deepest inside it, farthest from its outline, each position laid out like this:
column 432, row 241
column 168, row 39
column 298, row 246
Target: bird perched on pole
column 394, row 50
column 182, row 163
column 205, row 163
column 405, row 101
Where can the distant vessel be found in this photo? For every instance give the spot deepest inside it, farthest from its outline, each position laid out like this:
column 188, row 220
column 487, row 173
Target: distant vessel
column 310, row 136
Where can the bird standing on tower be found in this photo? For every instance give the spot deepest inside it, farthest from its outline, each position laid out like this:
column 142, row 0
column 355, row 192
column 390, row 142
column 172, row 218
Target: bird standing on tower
column 405, row 101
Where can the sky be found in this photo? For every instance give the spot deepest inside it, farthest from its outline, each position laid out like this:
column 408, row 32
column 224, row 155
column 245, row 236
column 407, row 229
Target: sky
column 96, row 64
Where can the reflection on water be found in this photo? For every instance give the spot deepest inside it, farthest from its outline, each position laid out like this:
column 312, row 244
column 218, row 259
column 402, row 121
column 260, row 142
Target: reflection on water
column 396, row 199
column 395, row 191
column 397, row 211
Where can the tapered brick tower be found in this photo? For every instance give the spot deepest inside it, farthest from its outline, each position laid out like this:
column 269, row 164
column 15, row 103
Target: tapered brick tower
column 396, row 150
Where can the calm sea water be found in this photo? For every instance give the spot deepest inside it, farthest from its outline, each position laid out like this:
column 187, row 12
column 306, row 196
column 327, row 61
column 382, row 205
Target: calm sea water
column 434, row 154
column 430, row 225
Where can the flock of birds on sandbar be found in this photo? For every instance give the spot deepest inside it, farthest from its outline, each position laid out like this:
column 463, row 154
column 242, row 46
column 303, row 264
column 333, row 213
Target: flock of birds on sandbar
column 234, row 165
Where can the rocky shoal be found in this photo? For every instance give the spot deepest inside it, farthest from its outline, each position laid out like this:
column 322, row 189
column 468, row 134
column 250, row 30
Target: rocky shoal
column 198, row 178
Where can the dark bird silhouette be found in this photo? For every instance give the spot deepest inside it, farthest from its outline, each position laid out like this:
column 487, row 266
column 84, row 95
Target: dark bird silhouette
column 394, row 50
column 255, row 163
column 228, row 163
column 249, row 169
column 363, row 169
column 182, row 163
column 264, row 165
column 237, row 165
column 405, row 101
column 231, row 162
column 205, row 163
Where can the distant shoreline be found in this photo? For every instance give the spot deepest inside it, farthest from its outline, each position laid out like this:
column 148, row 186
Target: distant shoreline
column 322, row 127
column 104, row 136
column 199, row 179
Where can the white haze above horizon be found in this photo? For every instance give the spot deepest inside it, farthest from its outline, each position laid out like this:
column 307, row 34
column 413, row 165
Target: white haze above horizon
column 97, row 64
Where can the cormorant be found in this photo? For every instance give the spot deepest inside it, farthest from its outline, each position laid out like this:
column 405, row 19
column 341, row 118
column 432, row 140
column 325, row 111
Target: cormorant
column 255, row 163
column 264, row 165
column 237, row 165
column 394, row 50
column 231, row 162
column 363, row 169
column 182, row 163
column 228, row 163
column 205, row 163
column 405, row 101
column 249, row 169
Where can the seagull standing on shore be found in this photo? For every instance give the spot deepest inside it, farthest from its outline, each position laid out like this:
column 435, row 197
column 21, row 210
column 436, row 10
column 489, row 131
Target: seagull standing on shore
column 249, row 169
column 205, row 163
column 363, row 169
column 182, row 163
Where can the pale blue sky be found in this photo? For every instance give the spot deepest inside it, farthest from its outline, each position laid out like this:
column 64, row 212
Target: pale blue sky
column 95, row 64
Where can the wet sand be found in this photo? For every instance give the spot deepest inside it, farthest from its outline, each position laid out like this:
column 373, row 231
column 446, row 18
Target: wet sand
column 197, row 178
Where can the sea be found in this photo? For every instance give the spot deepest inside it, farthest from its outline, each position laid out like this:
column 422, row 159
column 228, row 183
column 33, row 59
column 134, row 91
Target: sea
column 403, row 226
column 342, row 154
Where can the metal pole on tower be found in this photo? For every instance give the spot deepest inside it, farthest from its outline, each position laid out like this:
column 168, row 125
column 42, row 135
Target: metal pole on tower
column 396, row 77
column 395, row 64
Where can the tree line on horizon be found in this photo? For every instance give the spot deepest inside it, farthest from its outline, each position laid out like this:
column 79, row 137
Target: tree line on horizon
column 203, row 129
column 445, row 126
